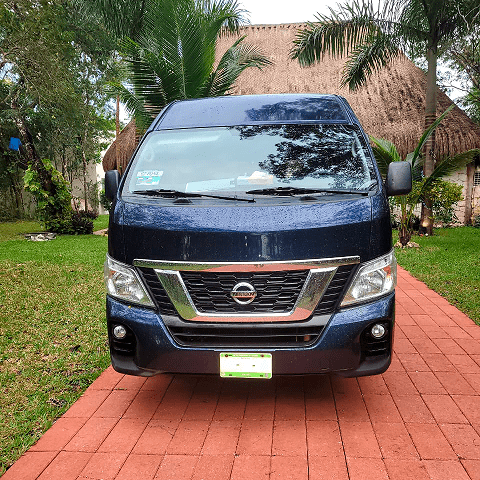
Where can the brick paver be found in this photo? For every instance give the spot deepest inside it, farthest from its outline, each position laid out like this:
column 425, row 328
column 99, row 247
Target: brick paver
column 420, row 420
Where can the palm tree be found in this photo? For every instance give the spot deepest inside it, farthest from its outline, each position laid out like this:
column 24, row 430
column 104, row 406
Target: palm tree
column 170, row 54
column 371, row 37
column 385, row 153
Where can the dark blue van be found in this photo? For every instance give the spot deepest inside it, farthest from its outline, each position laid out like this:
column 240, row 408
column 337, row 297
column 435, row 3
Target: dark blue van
column 249, row 237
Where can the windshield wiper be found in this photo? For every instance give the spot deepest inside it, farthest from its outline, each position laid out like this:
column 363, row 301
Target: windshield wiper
column 161, row 192
column 291, row 191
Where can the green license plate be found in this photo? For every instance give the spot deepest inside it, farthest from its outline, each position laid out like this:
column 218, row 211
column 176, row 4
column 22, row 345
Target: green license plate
column 246, row 365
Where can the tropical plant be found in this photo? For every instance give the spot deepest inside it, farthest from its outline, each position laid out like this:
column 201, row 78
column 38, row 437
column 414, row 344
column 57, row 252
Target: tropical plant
column 445, row 195
column 385, row 153
column 171, row 54
column 53, row 207
column 372, row 36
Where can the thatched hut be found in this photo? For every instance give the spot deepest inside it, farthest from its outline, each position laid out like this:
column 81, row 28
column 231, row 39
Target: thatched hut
column 391, row 105
column 120, row 151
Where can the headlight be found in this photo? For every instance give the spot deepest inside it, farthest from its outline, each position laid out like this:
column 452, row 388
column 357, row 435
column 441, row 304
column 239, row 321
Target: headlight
column 373, row 279
column 122, row 282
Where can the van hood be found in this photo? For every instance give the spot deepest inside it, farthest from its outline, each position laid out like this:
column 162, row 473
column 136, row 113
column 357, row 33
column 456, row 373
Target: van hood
column 245, row 233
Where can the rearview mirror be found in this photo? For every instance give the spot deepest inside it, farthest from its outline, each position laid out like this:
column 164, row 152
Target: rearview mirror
column 399, row 179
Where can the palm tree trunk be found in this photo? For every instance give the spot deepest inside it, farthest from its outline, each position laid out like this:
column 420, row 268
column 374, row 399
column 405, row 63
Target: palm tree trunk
column 117, row 131
column 430, row 116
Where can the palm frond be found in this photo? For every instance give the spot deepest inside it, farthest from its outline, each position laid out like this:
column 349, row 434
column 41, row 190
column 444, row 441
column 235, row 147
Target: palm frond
column 234, row 61
column 450, row 165
column 385, row 153
column 336, row 37
column 417, row 167
column 224, row 16
column 349, row 25
column 377, row 52
column 133, row 104
column 120, row 17
column 427, row 133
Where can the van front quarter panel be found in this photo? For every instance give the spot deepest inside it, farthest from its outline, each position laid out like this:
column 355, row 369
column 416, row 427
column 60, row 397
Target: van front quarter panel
column 249, row 237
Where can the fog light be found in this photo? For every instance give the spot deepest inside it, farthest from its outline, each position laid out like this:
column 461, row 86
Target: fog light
column 119, row 332
column 378, row 331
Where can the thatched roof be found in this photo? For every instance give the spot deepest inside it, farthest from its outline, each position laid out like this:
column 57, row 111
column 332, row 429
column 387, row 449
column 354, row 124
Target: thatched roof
column 391, row 105
column 123, row 146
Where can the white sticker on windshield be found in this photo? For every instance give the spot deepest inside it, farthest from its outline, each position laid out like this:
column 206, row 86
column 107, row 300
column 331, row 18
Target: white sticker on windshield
column 149, row 177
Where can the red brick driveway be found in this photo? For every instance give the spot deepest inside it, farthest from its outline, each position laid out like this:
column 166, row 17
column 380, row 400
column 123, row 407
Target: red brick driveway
column 420, row 420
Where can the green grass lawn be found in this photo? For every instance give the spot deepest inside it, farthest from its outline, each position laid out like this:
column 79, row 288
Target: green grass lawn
column 449, row 263
column 100, row 223
column 16, row 230
column 53, row 340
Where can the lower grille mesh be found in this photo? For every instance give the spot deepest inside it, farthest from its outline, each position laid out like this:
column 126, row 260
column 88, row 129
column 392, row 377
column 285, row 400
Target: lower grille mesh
column 217, row 336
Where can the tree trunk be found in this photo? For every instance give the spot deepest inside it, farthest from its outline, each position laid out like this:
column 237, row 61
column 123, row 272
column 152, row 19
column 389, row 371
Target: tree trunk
column 469, row 194
column 33, row 158
column 117, row 131
column 17, row 195
column 84, row 165
column 404, row 234
column 430, row 116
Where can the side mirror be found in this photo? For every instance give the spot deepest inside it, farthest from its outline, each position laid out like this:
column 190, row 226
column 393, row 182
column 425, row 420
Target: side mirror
column 399, row 179
column 112, row 180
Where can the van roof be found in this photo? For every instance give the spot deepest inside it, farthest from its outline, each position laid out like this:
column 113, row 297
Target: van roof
column 255, row 109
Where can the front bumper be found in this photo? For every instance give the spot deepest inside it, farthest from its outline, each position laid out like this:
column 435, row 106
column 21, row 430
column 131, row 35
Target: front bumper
column 340, row 348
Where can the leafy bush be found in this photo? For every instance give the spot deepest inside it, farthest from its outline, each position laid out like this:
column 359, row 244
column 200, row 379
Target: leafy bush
column 54, row 208
column 445, row 196
column 82, row 222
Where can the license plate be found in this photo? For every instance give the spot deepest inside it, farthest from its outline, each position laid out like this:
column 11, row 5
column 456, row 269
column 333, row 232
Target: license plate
column 246, row 365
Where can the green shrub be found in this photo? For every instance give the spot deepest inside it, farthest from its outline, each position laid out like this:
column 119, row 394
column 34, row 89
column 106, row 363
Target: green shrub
column 82, row 223
column 54, row 208
column 445, row 196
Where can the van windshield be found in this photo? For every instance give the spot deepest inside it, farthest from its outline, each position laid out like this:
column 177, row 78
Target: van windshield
column 240, row 159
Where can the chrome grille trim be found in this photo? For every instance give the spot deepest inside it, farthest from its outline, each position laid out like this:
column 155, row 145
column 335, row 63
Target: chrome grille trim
column 319, row 276
column 247, row 266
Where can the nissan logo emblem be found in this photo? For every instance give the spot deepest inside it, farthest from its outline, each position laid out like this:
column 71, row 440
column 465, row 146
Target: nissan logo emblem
column 243, row 293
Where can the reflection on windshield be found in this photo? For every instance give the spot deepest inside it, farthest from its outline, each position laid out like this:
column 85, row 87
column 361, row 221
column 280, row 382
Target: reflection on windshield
column 238, row 159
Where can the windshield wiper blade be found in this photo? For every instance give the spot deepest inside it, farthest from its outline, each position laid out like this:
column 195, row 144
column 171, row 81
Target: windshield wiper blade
column 162, row 192
column 291, row 191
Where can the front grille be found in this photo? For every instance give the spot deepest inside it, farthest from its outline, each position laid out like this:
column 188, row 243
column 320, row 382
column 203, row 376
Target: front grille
column 277, row 292
column 160, row 296
column 246, row 337
column 335, row 290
